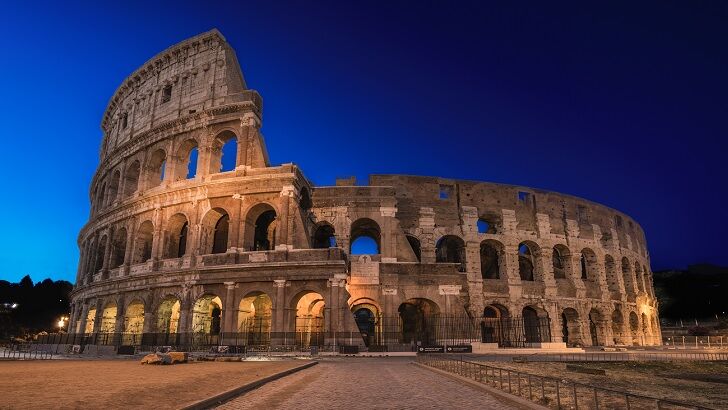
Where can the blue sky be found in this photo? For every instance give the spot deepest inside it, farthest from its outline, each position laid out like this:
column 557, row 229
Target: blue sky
column 620, row 103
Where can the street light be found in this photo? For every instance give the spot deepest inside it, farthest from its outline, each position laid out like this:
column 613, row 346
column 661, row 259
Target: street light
column 62, row 322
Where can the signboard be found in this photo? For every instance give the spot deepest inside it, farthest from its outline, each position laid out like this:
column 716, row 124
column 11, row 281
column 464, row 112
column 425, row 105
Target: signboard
column 460, row 349
column 431, row 349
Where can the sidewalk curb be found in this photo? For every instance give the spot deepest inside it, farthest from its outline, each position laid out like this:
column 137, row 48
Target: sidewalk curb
column 519, row 402
column 225, row 396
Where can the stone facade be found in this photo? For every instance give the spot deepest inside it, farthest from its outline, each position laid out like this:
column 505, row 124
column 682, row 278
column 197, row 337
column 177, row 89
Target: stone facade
column 171, row 247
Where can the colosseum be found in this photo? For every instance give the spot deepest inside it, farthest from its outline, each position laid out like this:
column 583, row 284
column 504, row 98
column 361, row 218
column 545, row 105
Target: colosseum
column 194, row 238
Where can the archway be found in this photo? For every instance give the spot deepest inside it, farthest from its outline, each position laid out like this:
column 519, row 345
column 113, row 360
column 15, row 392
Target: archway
column 490, row 259
column 418, row 321
column 634, row 327
column 254, row 318
column 571, row 327
column 143, row 242
column 561, row 261
column 118, row 248
column 588, row 265
column 366, row 323
column 309, row 325
column 612, row 277
column 134, row 318
column 260, row 228
column 155, row 168
column 618, row 327
column 207, row 315
column 224, row 152
column 90, row 318
column 526, row 261
column 451, row 249
column 177, row 230
column 108, row 318
column 629, row 282
column 324, row 237
column 491, row 326
column 365, row 237
column 168, row 315
column 215, row 228
column 596, row 328
column 534, row 330
column 131, row 179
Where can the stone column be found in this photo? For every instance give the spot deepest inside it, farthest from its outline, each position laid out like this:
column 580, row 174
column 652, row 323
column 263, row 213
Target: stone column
column 284, row 203
column 278, row 312
column 229, row 313
column 129, row 251
column 332, row 322
column 148, row 326
column 185, row 306
column 81, row 322
column 107, row 252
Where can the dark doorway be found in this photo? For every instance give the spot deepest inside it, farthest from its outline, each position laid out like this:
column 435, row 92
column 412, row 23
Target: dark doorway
column 366, row 323
column 215, row 324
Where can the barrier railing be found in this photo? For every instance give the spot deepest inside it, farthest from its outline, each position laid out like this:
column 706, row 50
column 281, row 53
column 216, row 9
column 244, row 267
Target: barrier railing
column 23, row 352
column 550, row 391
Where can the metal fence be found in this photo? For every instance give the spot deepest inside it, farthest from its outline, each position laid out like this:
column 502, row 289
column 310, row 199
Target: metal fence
column 696, row 342
column 633, row 356
column 549, row 391
column 25, row 351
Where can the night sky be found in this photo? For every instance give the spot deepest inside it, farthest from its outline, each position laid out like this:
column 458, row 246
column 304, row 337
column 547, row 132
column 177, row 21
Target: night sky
column 621, row 103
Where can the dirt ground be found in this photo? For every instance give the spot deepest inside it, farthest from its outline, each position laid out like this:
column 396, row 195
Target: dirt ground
column 701, row 383
column 122, row 384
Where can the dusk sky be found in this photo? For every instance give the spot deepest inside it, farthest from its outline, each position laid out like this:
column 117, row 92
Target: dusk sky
column 622, row 103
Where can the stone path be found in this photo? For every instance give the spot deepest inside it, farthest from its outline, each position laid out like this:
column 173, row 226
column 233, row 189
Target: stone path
column 366, row 383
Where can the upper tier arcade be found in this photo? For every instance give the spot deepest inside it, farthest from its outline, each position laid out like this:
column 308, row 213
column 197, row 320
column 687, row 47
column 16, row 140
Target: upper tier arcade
column 194, row 75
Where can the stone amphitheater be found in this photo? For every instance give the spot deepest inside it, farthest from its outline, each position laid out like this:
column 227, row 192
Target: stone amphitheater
column 193, row 232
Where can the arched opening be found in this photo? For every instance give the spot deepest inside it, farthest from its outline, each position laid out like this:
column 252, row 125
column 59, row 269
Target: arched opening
column 168, row 315
column 451, row 249
column 490, row 259
column 491, row 325
column 108, row 318
column 526, row 261
column 177, row 230
column 220, row 236
column 627, row 277
column 143, row 242
column 366, row 323
column 100, row 254
column 596, row 330
column 418, row 321
column 365, row 237
column 134, row 318
column 101, row 198
column 416, row 247
column 485, row 227
column 310, row 307
column 588, row 265
column 254, row 318
column 90, row 318
column 207, row 315
column 155, row 168
column 260, row 228
column 634, row 327
column 571, row 329
column 617, row 327
column 224, row 152
column 646, row 331
column 534, row 328
column 561, row 260
column 214, row 233
column 118, row 248
column 113, row 189
column 324, row 237
column 131, row 179
column 186, row 167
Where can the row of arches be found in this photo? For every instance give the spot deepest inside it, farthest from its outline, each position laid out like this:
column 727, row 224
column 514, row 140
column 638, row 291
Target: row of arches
column 143, row 172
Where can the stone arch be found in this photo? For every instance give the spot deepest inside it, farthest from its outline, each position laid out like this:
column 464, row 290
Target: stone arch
column 134, row 317
column 113, row 189
column 255, row 318
column 528, row 254
column 361, row 229
column 90, row 319
column 534, row 330
column 215, row 228
column 118, row 248
column 168, row 314
column 589, row 267
column 451, row 249
column 309, row 321
column 143, row 242
column 187, row 159
column 108, row 317
column 177, row 233
column 491, row 327
column 224, row 152
column 101, row 197
column 366, row 316
column 100, row 254
column 131, row 178
column 489, row 222
column 261, row 222
column 645, row 328
column 561, row 261
column 155, row 168
column 491, row 255
column 571, row 327
column 418, row 317
column 638, row 277
column 324, row 236
column 207, row 315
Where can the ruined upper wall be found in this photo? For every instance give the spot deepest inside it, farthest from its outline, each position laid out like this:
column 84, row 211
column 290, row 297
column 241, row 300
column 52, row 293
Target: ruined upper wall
column 196, row 74
column 568, row 216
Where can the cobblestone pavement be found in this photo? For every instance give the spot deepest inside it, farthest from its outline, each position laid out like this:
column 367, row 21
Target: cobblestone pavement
column 366, row 383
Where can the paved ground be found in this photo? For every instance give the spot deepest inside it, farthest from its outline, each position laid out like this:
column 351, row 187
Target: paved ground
column 366, row 383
